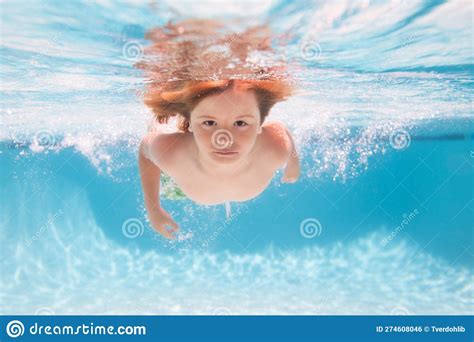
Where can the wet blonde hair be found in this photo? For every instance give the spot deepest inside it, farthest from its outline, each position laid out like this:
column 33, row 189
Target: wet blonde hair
column 182, row 100
column 182, row 64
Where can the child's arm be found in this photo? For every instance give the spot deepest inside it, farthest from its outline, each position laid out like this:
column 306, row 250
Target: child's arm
column 150, row 177
column 292, row 169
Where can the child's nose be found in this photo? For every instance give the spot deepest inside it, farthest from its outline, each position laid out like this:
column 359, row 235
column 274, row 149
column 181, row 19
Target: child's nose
column 222, row 138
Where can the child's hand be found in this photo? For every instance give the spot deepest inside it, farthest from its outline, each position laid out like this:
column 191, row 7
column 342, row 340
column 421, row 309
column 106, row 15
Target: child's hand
column 163, row 223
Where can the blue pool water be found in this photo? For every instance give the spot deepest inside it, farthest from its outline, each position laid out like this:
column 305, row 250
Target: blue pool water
column 381, row 221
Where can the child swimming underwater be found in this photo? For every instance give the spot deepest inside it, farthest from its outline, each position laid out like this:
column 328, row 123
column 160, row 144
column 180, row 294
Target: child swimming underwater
column 224, row 149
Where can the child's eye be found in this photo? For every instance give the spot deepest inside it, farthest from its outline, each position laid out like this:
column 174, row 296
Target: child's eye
column 209, row 123
column 240, row 123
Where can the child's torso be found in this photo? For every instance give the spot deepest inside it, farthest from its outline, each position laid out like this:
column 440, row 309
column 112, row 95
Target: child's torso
column 204, row 189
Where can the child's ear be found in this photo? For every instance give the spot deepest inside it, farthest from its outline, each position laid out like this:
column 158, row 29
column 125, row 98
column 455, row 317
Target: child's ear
column 188, row 125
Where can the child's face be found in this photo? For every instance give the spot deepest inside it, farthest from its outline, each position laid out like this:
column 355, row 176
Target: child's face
column 225, row 125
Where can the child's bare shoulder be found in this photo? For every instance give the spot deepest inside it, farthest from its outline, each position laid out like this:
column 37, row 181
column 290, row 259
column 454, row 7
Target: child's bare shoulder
column 163, row 148
column 277, row 141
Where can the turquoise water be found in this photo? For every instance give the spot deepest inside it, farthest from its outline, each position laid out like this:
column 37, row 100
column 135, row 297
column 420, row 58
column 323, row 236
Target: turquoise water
column 379, row 223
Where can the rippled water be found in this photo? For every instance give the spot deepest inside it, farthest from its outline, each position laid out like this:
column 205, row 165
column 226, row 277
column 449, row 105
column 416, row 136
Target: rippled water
column 382, row 117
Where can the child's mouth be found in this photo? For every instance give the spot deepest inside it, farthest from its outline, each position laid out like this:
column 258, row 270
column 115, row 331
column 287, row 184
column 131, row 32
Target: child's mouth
column 225, row 153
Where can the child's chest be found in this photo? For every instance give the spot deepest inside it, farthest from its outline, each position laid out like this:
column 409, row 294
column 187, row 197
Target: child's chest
column 209, row 190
